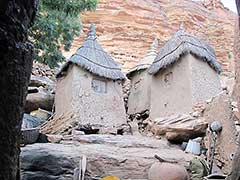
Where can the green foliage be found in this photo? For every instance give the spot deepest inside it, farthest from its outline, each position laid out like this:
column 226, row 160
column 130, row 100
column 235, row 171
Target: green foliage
column 56, row 25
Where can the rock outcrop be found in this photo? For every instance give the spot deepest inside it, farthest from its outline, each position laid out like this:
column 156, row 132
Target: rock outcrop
column 219, row 109
column 41, row 88
column 127, row 157
column 126, row 28
column 237, row 61
column 235, row 173
column 179, row 127
column 42, row 99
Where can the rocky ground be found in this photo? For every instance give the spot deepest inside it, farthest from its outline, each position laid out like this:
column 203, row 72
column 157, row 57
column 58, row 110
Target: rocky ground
column 127, row 157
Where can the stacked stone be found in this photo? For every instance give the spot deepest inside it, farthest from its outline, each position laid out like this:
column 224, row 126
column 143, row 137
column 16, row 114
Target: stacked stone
column 40, row 69
column 126, row 92
column 41, row 88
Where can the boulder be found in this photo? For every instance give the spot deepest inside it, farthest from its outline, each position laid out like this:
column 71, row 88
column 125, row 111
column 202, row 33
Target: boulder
column 30, row 121
column 54, row 138
column 167, row 171
column 134, row 128
column 76, row 132
column 179, row 128
column 43, row 81
column 42, row 99
column 126, row 157
column 42, row 114
column 46, row 166
column 108, row 130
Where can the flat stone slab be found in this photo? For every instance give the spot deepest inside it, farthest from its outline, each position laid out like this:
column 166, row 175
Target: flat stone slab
column 127, row 157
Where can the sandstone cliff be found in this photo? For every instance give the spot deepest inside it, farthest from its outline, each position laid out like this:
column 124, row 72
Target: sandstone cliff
column 236, row 94
column 126, row 28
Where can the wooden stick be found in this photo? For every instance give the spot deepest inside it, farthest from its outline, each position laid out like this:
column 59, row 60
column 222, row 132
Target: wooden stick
column 164, row 160
column 84, row 166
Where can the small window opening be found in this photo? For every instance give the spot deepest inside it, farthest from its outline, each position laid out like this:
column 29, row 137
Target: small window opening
column 99, row 86
column 168, row 78
column 137, row 84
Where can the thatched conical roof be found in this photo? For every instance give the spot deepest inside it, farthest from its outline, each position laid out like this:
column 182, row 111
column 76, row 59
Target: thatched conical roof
column 146, row 62
column 183, row 43
column 92, row 57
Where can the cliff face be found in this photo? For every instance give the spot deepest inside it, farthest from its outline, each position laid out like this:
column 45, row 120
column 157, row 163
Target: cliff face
column 126, row 28
column 236, row 91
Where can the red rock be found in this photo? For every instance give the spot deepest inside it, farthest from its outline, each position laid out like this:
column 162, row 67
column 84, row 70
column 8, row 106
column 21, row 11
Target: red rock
column 126, row 28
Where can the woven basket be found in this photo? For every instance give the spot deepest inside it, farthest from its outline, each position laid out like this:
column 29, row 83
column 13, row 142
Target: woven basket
column 30, row 135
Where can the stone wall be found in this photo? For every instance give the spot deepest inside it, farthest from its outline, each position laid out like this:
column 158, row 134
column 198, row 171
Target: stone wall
column 126, row 28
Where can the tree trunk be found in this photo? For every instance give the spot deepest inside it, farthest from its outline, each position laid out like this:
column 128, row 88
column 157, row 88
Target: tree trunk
column 235, row 172
column 16, row 55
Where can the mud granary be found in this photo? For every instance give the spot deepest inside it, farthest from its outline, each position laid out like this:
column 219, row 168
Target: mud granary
column 140, row 92
column 89, row 85
column 184, row 72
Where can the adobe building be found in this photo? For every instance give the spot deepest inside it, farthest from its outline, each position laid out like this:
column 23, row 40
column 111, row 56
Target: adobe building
column 184, row 72
column 89, row 85
column 140, row 92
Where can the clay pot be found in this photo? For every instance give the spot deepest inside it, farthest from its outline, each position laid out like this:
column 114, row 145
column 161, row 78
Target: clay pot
column 167, row 171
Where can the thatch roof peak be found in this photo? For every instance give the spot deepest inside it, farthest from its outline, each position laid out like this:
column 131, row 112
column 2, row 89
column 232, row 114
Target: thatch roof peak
column 183, row 43
column 181, row 28
column 154, row 45
column 91, row 57
column 147, row 60
column 92, row 32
